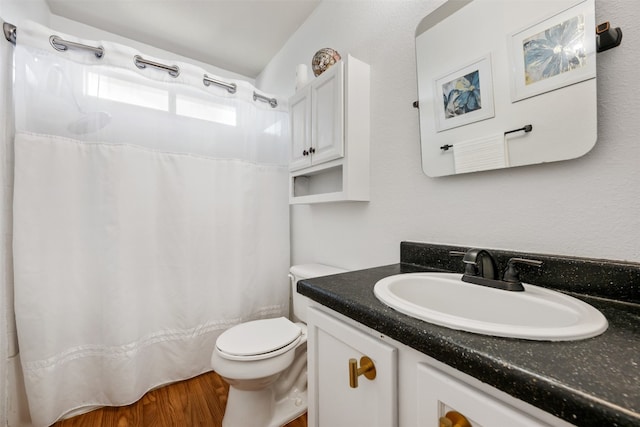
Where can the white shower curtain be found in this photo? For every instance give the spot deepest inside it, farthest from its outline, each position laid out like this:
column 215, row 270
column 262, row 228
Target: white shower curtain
column 6, row 285
column 150, row 214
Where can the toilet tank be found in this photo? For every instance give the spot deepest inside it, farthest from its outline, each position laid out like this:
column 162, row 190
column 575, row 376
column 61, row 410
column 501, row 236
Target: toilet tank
column 299, row 302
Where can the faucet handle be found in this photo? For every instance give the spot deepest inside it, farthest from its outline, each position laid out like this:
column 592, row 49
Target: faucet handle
column 512, row 274
column 470, row 267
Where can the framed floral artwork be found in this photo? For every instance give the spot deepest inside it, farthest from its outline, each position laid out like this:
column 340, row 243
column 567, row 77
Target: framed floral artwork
column 553, row 53
column 465, row 95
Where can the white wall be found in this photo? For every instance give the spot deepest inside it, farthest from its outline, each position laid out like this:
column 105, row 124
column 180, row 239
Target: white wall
column 585, row 207
column 16, row 11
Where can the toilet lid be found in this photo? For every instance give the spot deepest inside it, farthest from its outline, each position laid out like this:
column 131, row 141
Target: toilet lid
column 258, row 337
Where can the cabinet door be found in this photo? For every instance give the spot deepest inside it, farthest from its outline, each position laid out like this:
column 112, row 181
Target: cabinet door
column 300, row 122
column 439, row 393
column 332, row 402
column 327, row 115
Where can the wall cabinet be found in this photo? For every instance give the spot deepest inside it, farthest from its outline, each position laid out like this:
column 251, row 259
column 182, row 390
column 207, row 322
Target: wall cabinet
column 329, row 121
column 317, row 122
column 411, row 389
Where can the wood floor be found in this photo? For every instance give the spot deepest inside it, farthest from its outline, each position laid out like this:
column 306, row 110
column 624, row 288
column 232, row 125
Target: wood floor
column 199, row 401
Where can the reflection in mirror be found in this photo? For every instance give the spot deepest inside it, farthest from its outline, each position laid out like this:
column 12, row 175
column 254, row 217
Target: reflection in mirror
column 506, row 83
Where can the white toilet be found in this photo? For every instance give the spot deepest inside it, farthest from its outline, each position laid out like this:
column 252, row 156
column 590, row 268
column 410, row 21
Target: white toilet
column 265, row 362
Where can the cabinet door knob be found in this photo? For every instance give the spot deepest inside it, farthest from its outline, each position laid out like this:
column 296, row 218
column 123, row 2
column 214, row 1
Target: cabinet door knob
column 454, row 419
column 367, row 368
column 305, row 153
column 312, row 150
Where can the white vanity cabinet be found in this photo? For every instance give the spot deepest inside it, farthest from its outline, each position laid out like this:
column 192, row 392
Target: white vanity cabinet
column 333, row 401
column 440, row 394
column 411, row 389
column 329, row 124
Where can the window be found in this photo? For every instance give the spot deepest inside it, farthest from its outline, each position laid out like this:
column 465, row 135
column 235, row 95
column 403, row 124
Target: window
column 205, row 110
column 120, row 90
column 134, row 93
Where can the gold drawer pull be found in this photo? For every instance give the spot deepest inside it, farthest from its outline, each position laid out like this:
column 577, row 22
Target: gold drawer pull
column 454, row 419
column 367, row 368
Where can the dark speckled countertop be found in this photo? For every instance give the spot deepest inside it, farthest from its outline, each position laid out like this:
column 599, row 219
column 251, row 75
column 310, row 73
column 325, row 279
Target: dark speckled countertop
column 592, row 382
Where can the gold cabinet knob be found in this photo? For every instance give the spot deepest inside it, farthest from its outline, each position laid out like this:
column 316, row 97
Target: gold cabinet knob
column 367, row 368
column 454, row 419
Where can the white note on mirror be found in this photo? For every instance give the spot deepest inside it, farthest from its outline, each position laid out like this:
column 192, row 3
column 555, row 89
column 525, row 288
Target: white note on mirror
column 488, row 152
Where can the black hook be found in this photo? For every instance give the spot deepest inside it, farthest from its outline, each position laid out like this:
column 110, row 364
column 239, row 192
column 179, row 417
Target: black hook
column 607, row 37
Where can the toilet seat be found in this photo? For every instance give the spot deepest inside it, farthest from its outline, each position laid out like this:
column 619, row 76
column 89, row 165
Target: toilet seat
column 259, row 339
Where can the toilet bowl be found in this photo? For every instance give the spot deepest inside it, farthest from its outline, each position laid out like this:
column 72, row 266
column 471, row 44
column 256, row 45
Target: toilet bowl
column 265, row 363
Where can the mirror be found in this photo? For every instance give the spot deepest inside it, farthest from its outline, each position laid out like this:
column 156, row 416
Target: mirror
column 506, row 83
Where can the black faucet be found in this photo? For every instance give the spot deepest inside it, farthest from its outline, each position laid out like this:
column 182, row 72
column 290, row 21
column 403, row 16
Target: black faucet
column 480, row 269
column 479, row 263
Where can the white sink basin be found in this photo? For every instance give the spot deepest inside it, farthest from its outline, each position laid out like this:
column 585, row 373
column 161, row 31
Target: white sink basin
column 535, row 314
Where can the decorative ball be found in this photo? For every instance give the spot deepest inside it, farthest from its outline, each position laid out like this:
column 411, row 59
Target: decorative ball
column 323, row 59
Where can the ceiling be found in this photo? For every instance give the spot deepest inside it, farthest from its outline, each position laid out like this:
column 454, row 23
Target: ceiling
column 237, row 35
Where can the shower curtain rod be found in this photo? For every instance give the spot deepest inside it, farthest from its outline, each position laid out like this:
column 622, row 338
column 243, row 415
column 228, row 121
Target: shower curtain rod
column 61, row 45
column 173, row 70
column 271, row 101
column 10, row 33
column 231, row 87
